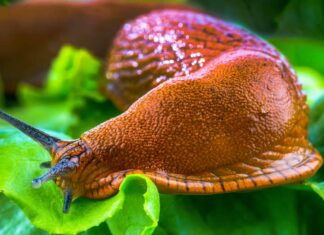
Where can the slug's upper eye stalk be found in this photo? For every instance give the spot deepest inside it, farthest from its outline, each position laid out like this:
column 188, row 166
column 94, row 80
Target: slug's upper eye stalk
column 39, row 136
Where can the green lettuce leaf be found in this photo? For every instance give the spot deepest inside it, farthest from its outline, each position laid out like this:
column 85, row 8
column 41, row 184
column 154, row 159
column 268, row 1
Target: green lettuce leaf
column 102, row 229
column 74, row 73
column 313, row 83
column 279, row 211
column 70, row 101
column 14, row 221
column 131, row 220
column 20, row 158
column 317, row 187
column 269, row 211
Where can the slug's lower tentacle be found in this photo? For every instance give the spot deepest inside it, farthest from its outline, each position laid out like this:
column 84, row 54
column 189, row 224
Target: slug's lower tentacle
column 68, row 196
column 62, row 168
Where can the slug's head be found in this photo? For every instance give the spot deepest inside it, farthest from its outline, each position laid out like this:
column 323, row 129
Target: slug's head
column 68, row 160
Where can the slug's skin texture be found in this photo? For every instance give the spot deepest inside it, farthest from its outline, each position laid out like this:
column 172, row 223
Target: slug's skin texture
column 215, row 110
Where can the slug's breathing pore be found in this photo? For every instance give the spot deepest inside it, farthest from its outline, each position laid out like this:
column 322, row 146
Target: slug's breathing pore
column 210, row 108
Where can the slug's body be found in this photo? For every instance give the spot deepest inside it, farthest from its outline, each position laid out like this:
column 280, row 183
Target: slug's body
column 212, row 109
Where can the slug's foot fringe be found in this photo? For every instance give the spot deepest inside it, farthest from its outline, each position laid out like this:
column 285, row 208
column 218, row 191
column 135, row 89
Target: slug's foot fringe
column 292, row 160
column 293, row 168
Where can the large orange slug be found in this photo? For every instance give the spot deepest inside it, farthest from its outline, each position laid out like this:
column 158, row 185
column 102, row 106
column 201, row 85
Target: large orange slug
column 209, row 108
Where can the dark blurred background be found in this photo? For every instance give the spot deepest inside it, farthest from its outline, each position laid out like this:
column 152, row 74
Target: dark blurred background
column 298, row 18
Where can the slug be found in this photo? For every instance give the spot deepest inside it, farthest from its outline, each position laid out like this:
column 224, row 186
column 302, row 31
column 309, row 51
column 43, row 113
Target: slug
column 209, row 108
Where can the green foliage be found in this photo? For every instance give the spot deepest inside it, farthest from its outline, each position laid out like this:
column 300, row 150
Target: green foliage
column 14, row 221
column 252, row 14
column 271, row 17
column 318, row 188
column 4, row 2
column 313, row 83
column 71, row 88
column 302, row 18
column 140, row 214
column 74, row 73
column 7, row 2
column 271, row 211
column 72, row 84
